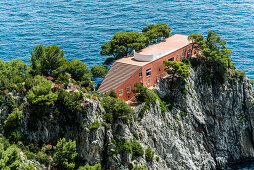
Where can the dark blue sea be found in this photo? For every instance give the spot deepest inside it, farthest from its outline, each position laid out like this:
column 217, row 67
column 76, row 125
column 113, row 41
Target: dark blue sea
column 80, row 27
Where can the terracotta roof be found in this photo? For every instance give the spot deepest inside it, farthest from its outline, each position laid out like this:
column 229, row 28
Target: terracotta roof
column 174, row 42
column 117, row 75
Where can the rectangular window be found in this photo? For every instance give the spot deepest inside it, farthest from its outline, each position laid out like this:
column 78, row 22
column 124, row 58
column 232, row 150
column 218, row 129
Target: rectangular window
column 148, row 72
column 171, row 59
column 128, row 89
column 121, row 92
column 189, row 51
column 177, row 58
column 148, row 82
column 140, row 75
column 182, row 55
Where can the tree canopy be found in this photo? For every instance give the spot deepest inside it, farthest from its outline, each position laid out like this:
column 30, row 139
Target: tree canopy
column 44, row 60
column 99, row 71
column 123, row 43
column 157, row 32
column 215, row 55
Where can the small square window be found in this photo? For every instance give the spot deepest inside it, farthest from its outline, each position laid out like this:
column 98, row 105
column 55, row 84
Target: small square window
column 148, row 72
column 128, row 89
column 120, row 92
column 140, row 74
column 148, row 81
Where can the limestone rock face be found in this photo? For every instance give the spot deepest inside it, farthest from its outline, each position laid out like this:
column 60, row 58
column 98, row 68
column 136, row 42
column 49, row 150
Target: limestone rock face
column 215, row 129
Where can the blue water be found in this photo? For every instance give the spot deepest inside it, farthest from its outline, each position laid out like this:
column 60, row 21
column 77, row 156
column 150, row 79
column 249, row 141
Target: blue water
column 80, row 27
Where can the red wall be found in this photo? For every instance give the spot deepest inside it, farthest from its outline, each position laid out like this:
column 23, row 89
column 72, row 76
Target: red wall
column 157, row 69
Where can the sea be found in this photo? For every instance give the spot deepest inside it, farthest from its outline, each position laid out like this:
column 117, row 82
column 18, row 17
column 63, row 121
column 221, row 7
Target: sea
column 80, row 27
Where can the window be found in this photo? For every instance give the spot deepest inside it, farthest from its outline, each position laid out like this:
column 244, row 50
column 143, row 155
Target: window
column 159, row 69
column 140, row 75
column 121, row 92
column 182, row 55
column 177, row 58
column 171, row 59
column 148, row 82
column 189, row 51
column 128, row 89
column 148, row 72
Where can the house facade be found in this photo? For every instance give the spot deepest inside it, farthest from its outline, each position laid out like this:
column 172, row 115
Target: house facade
column 145, row 66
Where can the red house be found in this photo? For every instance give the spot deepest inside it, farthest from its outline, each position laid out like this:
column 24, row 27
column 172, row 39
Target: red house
column 145, row 66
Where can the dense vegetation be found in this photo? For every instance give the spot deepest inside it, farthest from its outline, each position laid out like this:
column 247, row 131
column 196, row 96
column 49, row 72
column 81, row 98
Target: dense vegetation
column 213, row 56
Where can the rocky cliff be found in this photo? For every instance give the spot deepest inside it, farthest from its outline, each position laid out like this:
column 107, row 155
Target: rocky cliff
column 208, row 127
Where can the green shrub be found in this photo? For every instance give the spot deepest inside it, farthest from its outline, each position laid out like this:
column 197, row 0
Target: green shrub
column 88, row 167
column 183, row 113
column 9, row 157
column 137, row 167
column 252, row 82
column 122, row 145
column 149, row 154
column 65, row 154
column 13, row 121
column 137, row 149
column 10, row 103
column 69, row 101
column 95, row 125
column 111, row 93
column 116, row 109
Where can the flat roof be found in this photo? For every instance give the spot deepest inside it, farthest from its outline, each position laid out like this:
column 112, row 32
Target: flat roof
column 173, row 43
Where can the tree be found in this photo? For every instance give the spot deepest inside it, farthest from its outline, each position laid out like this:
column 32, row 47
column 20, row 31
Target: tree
column 123, row 44
column 176, row 69
column 215, row 54
column 65, row 154
column 79, row 70
column 197, row 41
column 45, row 59
column 99, row 71
column 157, row 32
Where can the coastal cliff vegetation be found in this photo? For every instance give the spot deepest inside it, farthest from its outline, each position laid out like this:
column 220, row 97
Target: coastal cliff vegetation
column 50, row 115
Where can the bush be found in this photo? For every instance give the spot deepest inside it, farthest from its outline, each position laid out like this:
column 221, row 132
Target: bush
column 41, row 93
column 122, row 145
column 88, row 167
column 9, row 157
column 95, row 125
column 137, row 167
column 116, row 109
column 13, row 121
column 137, row 149
column 183, row 113
column 69, row 101
column 65, row 154
column 111, row 93
column 149, row 154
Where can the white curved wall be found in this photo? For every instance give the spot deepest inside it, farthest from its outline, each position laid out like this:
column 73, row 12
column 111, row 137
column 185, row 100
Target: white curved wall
column 143, row 57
